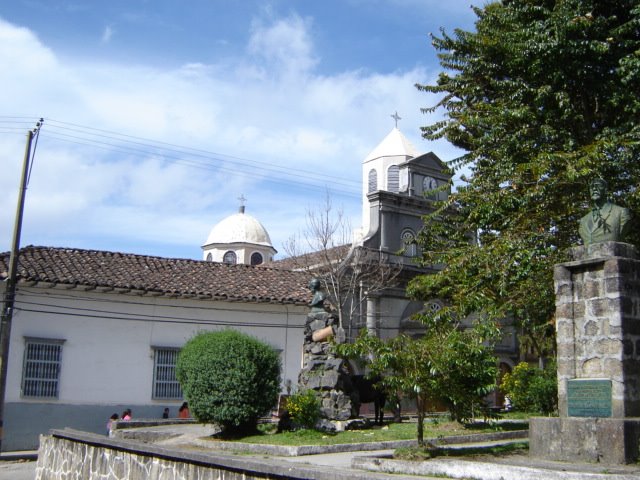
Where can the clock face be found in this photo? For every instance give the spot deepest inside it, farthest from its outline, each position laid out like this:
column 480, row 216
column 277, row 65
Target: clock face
column 429, row 183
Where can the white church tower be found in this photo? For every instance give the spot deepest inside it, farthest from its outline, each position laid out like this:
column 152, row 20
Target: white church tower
column 239, row 238
column 381, row 171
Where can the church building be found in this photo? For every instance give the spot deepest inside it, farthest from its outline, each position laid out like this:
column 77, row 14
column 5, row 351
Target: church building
column 399, row 187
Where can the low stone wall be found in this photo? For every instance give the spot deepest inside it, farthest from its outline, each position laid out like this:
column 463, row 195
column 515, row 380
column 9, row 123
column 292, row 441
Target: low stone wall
column 599, row 440
column 70, row 454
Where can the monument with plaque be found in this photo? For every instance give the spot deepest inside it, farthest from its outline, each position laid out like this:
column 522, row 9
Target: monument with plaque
column 598, row 347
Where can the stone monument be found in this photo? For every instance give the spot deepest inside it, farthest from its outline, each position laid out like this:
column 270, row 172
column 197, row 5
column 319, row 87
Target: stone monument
column 598, row 343
column 322, row 371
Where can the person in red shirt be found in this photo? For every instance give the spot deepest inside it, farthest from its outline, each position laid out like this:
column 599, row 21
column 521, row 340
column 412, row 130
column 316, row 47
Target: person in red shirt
column 183, row 411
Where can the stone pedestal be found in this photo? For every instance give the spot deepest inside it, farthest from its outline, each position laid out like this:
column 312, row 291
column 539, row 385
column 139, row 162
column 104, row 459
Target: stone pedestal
column 328, row 375
column 598, row 339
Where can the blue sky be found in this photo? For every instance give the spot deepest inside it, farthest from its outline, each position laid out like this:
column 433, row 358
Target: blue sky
column 160, row 114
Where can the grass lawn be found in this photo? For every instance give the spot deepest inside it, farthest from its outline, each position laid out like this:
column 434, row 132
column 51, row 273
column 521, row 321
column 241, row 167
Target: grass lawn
column 392, row 431
column 427, row 452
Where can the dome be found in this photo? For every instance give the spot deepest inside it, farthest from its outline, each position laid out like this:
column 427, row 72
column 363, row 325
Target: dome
column 239, row 228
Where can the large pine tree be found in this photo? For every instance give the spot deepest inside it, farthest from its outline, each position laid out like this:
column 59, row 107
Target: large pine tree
column 542, row 97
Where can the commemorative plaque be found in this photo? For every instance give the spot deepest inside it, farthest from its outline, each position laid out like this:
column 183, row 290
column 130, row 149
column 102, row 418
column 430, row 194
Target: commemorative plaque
column 589, row 398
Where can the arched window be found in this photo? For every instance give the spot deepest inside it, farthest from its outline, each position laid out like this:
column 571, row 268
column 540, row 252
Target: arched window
column 373, row 180
column 256, row 258
column 209, row 257
column 393, row 179
column 409, row 242
column 230, row 258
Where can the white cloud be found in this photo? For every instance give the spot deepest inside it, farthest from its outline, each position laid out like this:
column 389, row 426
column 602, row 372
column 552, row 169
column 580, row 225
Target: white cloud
column 284, row 44
column 22, row 53
column 283, row 115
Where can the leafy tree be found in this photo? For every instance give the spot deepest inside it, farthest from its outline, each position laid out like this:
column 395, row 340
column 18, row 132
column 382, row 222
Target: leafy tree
column 229, row 378
column 447, row 364
column 543, row 98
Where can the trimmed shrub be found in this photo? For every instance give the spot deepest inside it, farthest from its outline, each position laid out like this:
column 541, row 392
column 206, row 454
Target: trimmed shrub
column 531, row 389
column 229, row 378
column 304, row 408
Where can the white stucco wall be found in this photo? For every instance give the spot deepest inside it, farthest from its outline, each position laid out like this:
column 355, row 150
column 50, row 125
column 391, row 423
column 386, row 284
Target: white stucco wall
column 107, row 356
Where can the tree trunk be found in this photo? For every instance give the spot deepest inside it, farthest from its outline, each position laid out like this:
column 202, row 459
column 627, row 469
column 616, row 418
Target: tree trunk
column 420, row 404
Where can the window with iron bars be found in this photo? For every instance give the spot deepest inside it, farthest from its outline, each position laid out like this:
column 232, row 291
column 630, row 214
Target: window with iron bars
column 165, row 383
column 41, row 367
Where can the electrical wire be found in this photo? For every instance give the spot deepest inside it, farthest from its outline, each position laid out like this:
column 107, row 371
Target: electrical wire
column 158, row 319
column 93, row 312
column 191, row 157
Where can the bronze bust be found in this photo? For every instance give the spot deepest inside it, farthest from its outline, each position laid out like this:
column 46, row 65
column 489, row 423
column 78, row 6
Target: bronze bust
column 317, row 302
column 606, row 221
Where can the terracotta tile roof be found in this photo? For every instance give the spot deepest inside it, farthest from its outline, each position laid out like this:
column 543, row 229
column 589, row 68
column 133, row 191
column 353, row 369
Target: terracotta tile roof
column 158, row 275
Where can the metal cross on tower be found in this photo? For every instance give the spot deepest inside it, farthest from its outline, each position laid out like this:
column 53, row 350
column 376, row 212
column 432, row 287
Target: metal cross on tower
column 396, row 117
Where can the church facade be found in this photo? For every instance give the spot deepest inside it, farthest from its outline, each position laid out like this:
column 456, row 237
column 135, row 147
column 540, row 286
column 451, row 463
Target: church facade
column 399, row 187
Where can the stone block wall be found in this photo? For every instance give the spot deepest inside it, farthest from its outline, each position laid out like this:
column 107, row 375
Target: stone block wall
column 71, row 454
column 598, row 323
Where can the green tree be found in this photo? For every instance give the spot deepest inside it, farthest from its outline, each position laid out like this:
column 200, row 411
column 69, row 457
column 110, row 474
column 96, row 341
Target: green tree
column 447, row 364
column 542, row 97
column 229, row 378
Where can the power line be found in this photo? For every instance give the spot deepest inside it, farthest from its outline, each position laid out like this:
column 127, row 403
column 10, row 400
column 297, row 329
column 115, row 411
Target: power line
column 129, row 302
column 168, row 305
column 195, row 151
column 192, row 157
column 206, row 165
column 157, row 319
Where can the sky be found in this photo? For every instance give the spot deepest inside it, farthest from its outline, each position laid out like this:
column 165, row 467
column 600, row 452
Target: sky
column 159, row 115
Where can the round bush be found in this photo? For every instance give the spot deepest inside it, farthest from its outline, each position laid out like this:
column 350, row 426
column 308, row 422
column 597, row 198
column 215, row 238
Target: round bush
column 229, row 378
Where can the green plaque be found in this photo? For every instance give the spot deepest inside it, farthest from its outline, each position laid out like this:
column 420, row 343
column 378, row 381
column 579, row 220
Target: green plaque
column 589, row 398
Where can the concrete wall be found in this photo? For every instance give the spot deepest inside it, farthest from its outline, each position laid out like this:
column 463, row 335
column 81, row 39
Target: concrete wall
column 108, row 357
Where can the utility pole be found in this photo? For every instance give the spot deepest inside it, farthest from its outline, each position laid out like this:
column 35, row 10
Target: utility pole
column 10, row 285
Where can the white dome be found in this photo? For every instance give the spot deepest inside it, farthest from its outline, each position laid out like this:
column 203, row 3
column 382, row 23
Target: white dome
column 239, row 228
